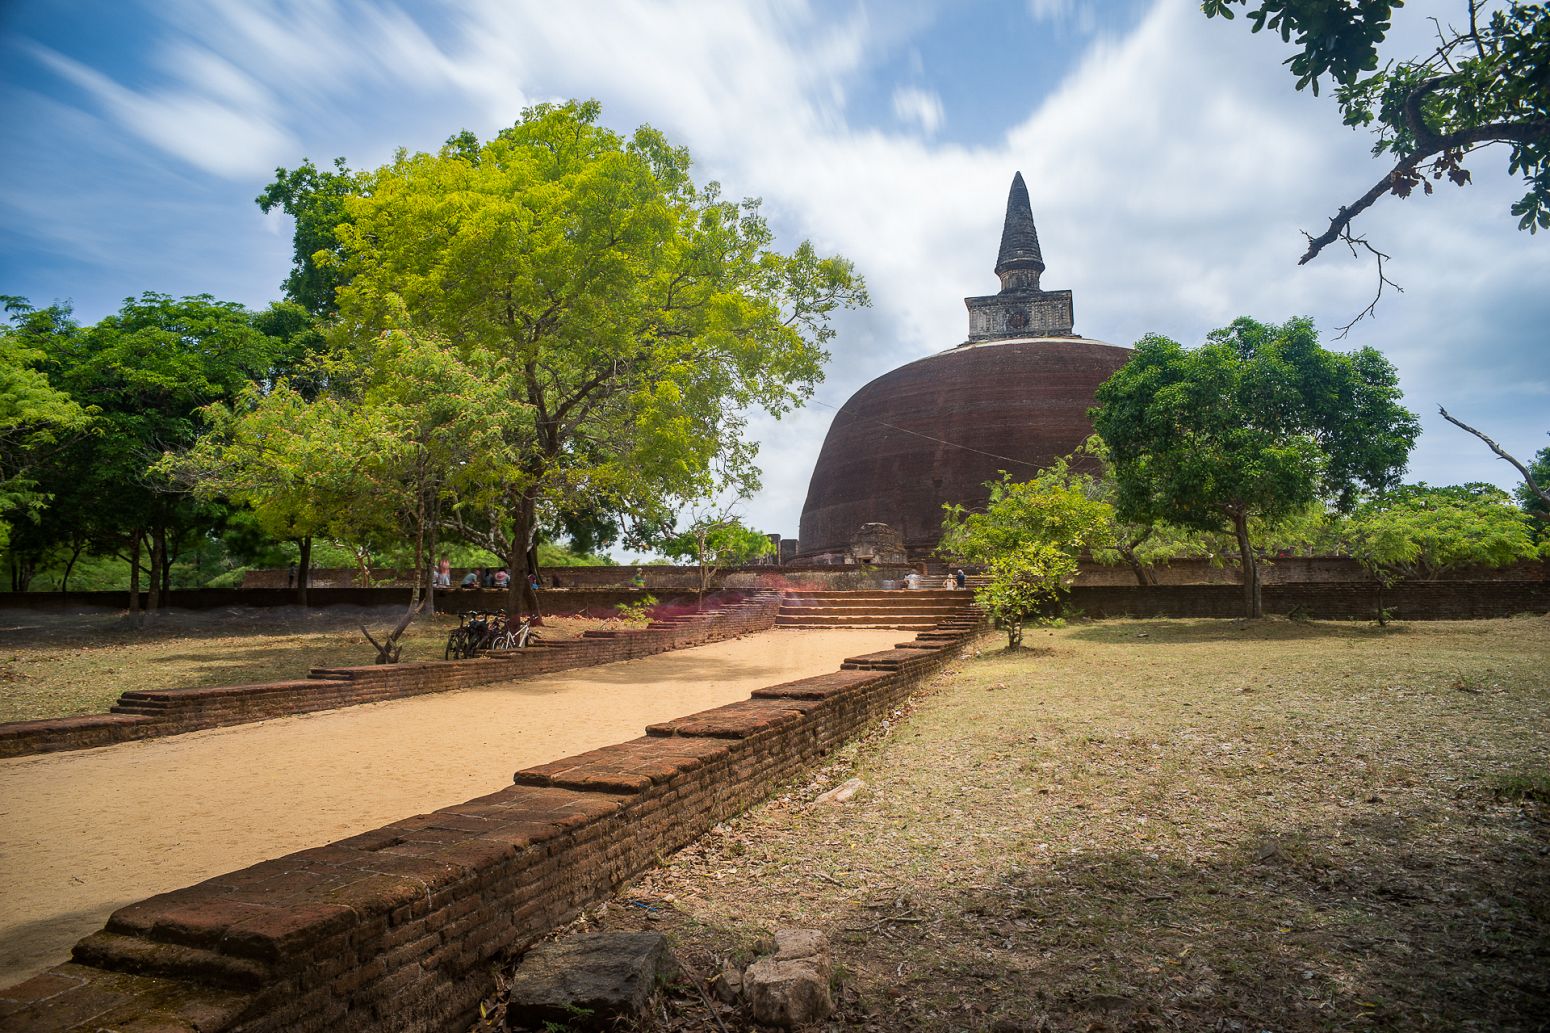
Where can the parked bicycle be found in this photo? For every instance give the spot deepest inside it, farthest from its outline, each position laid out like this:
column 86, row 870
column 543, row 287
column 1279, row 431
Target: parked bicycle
column 485, row 631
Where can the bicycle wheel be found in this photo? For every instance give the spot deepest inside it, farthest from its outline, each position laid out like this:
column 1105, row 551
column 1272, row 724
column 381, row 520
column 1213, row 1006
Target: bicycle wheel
column 454, row 645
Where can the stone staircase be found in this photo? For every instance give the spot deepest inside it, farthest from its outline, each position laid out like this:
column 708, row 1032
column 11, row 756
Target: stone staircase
column 901, row 610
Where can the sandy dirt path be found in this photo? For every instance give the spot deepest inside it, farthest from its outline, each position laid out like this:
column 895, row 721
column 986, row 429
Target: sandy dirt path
column 84, row 833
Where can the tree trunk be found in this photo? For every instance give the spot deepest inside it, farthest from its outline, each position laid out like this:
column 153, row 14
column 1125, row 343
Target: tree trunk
column 520, row 597
column 64, row 581
column 1251, row 595
column 168, row 558
column 421, row 516
column 1144, row 574
column 153, row 576
column 304, row 564
column 435, row 572
column 134, row 576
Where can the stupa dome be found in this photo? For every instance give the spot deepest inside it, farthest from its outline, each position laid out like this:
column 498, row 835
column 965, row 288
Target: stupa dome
column 1013, row 397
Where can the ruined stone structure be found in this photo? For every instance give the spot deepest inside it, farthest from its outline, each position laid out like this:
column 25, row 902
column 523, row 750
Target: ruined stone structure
column 878, row 543
column 1012, row 397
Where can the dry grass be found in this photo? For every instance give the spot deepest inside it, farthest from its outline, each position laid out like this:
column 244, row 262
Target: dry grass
column 56, row 665
column 1166, row 825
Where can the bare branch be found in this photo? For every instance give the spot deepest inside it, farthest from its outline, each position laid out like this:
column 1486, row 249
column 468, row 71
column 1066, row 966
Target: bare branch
column 1383, row 280
column 1474, row 27
column 1528, row 478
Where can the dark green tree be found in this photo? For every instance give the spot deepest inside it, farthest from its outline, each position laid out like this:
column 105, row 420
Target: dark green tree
column 1259, row 422
column 1486, row 82
column 149, row 369
column 37, row 419
column 314, row 198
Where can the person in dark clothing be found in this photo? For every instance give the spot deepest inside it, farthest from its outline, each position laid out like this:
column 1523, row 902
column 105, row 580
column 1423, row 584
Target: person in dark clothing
column 960, row 577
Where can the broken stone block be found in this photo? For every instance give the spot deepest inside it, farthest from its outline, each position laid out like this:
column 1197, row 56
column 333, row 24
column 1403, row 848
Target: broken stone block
column 792, row 987
column 843, row 792
column 589, row 982
column 796, row 944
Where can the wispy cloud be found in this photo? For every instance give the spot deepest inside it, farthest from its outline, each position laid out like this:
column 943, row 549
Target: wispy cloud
column 227, row 131
column 914, row 106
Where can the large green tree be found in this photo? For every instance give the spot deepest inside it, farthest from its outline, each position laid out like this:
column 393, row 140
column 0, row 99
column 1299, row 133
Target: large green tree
column 1486, row 82
column 1422, row 533
column 626, row 317
column 1259, row 422
column 402, row 429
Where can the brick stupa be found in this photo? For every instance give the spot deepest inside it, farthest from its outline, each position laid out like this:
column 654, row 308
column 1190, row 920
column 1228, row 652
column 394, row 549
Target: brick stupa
column 1014, row 396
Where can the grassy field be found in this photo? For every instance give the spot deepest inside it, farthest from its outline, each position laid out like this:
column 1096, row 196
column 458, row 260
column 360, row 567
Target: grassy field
column 55, row 665
column 1165, row 825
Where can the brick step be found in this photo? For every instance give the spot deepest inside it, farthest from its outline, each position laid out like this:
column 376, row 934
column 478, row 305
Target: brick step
column 881, row 616
column 899, row 599
column 919, row 593
column 875, row 621
column 848, row 627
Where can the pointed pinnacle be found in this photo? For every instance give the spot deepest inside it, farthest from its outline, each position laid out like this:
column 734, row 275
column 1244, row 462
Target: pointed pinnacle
column 1019, row 238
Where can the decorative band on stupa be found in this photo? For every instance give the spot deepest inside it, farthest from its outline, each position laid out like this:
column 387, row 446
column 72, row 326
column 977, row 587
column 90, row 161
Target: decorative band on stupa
column 1021, row 309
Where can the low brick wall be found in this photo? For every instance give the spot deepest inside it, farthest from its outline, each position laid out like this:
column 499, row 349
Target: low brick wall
column 1411, row 600
column 597, row 602
column 1288, row 570
column 397, row 929
column 150, row 713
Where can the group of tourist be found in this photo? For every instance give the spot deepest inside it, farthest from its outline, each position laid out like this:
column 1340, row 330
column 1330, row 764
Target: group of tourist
column 479, row 577
column 915, row 580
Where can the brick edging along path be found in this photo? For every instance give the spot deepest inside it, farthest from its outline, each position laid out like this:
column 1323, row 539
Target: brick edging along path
column 146, row 714
column 396, row 929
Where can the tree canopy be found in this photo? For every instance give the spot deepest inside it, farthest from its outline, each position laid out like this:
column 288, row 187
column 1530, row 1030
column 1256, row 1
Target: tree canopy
column 36, row 418
column 1486, row 82
column 1421, row 532
column 1029, row 536
column 1259, row 422
column 714, row 541
column 626, row 318
column 147, row 370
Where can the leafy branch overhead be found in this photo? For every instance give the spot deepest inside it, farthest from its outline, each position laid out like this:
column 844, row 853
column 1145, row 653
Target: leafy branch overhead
column 1485, row 82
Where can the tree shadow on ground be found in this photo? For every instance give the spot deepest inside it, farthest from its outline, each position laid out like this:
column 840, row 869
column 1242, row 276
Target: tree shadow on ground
column 1373, row 927
column 1164, row 630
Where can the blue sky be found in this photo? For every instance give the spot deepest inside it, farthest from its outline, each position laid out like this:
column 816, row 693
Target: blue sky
column 1171, row 168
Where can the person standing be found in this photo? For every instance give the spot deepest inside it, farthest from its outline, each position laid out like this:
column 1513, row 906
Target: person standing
column 960, row 578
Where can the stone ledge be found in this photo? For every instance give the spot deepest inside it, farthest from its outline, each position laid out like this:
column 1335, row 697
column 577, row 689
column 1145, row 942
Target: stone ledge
column 629, row 767
column 821, row 686
column 735, row 720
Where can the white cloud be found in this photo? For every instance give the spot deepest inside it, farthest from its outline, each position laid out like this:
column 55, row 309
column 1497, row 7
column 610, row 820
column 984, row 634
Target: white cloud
column 1170, row 171
column 914, row 106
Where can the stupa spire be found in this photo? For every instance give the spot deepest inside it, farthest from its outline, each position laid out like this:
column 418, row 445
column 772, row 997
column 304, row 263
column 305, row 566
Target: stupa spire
column 1023, row 308
column 1019, row 240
